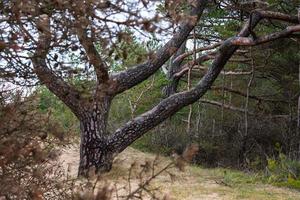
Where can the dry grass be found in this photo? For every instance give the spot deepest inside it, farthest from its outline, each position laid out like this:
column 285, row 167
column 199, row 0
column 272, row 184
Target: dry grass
column 191, row 184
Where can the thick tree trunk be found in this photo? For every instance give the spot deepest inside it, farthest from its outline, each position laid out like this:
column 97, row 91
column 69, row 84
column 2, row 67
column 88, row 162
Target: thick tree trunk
column 95, row 155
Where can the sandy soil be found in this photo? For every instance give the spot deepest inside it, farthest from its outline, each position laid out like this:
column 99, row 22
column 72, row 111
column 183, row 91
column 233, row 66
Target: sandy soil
column 193, row 183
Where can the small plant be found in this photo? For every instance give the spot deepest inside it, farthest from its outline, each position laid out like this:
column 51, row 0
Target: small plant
column 283, row 171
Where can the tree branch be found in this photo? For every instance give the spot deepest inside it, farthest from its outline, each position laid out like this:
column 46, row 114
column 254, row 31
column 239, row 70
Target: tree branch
column 279, row 16
column 245, row 95
column 245, row 41
column 139, row 73
column 264, row 14
column 185, row 68
column 135, row 128
column 69, row 95
column 92, row 54
column 229, row 107
column 174, row 66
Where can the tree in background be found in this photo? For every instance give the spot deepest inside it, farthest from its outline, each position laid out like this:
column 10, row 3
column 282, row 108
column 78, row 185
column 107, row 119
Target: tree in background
column 40, row 38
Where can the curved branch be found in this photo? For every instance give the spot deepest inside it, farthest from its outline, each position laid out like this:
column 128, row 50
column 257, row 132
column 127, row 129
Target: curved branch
column 246, row 41
column 139, row 73
column 69, row 95
column 185, row 68
column 135, row 128
column 279, row 16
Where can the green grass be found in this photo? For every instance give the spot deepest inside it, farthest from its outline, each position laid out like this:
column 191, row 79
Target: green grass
column 233, row 184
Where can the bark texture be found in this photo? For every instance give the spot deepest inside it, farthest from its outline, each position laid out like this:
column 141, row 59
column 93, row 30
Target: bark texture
column 95, row 156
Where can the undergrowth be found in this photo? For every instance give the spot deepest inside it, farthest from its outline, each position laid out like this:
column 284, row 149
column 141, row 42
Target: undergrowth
column 283, row 172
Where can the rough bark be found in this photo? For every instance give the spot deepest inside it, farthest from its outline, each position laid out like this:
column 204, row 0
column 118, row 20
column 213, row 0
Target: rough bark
column 95, row 156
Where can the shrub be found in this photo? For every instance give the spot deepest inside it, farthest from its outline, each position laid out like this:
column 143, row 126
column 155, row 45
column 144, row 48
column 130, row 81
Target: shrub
column 284, row 171
column 29, row 142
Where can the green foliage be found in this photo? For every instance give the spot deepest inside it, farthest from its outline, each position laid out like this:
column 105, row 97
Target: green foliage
column 143, row 145
column 128, row 52
column 284, row 171
column 49, row 103
column 229, row 29
column 233, row 177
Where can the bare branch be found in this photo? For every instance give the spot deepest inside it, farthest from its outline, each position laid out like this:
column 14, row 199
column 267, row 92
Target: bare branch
column 279, row 16
column 192, row 63
column 229, row 107
column 244, row 94
column 245, row 41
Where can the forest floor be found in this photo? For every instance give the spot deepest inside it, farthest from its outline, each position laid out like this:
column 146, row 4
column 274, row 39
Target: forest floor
column 191, row 184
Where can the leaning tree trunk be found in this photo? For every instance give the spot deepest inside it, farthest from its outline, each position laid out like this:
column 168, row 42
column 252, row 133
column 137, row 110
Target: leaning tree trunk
column 95, row 155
